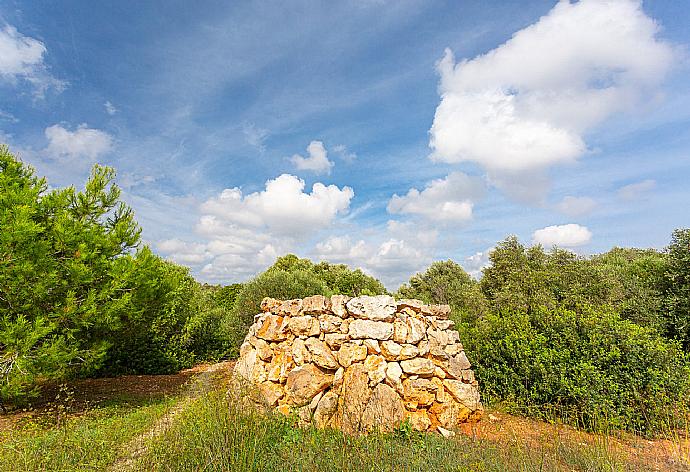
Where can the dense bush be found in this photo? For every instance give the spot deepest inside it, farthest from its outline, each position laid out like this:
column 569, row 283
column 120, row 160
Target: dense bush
column 590, row 368
column 168, row 323
column 677, row 288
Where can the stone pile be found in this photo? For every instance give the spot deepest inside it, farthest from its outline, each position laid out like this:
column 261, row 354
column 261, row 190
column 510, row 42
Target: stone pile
column 360, row 364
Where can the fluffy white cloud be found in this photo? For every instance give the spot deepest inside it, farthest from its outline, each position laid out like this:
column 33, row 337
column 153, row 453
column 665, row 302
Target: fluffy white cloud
column 570, row 235
column 636, row 190
column 317, row 161
column 21, row 57
column 526, row 105
column 576, row 206
column 84, row 142
column 445, row 200
column 243, row 234
column 283, row 206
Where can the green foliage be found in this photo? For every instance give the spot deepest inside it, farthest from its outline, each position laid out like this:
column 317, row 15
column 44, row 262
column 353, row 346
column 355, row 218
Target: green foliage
column 60, row 258
column 590, row 368
column 634, row 281
column 447, row 283
column 677, row 287
column 525, row 279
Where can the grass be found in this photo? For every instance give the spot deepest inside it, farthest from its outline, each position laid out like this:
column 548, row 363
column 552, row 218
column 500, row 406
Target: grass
column 216, row 434
column 57, row 441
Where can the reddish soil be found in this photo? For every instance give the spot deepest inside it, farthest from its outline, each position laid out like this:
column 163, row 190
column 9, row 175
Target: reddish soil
column 671, row 454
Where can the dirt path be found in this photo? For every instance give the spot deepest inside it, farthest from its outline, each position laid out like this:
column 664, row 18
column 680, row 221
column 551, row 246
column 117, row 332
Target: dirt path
column 200, row 384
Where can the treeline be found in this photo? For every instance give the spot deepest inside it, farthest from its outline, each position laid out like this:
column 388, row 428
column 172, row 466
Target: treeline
column 600, row 341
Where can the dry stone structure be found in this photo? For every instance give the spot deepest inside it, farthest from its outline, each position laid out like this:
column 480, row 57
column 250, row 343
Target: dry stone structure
column 360, row 364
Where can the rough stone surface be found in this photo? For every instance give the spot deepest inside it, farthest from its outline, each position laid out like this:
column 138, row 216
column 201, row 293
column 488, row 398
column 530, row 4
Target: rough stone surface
column 367, row 329
column 360, row 364
column 378, row 308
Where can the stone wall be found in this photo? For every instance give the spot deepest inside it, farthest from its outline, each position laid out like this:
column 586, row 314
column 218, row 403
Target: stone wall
column 360, row 364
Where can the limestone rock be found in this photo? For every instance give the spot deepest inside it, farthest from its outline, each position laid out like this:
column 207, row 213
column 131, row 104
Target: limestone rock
column 350, row 353
column 363, row 329
column 416, row 330
column 384, row 411
column 304, row 382
column 330, row 323
column 414, row 305
column 419, row 391
column 304, row 326
column 418, row 366
column 245, row 365
column 419, row 420
column 354, row 398
column 376, row 368
column 399, row 331
column 325, row 410
column 393, row 376
column 378, row 308
column 271, row 392
column 466, row 394
column 446, row 433
column 373, row 346
column 338, row 305
column 281, row 363
column 316, row 305
column 300, row 353
column 270, row 304
column 450, row 414
column 455, row 365
column 273, row 328
column 336, row 340
column 320, row 354
column 263, row 349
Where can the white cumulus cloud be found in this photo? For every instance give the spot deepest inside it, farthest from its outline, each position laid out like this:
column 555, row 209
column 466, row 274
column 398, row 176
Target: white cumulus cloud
column 244, row 233
column 83, row 142
column 450, row 199
column 526, row 105
column 570, row 235
column 22, row 57
column 316, row 162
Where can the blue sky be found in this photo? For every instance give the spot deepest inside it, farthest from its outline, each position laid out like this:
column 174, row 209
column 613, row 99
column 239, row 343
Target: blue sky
column 380, row 134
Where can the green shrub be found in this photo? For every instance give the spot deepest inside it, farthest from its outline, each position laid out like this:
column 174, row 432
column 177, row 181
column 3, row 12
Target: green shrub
column 590, row 368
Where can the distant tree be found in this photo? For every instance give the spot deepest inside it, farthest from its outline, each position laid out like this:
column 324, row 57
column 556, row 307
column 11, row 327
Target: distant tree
column 446, row 282
column 634, row 283
column 677, row 287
